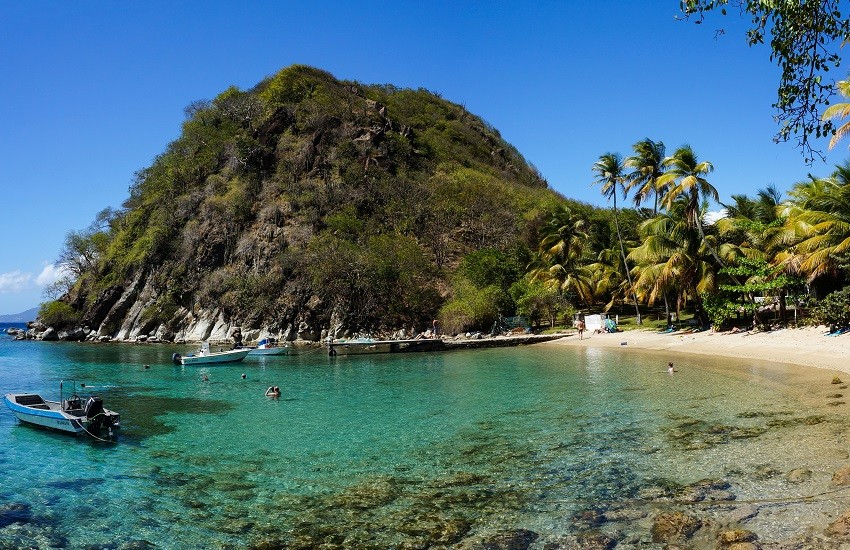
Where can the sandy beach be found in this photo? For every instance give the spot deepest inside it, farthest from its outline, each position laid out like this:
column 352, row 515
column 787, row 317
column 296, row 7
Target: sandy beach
column 809, row 346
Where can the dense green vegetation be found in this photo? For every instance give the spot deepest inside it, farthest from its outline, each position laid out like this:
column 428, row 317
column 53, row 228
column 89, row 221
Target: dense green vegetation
column 741, row 269
column 312, row 201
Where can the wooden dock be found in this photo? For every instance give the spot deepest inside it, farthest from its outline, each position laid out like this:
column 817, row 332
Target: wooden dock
column 355, row 347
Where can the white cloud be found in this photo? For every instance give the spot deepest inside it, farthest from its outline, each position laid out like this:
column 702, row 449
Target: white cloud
column 711, row 217
column 50, row 274
column 15, row 281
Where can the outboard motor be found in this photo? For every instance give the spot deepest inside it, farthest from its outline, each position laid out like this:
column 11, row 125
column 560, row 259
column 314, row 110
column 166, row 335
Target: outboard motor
column 96, row 415
column 175, row 358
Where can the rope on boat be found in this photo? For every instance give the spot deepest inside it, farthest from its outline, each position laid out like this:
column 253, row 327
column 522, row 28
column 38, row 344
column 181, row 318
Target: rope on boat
column 96, row 437
column 91, row 434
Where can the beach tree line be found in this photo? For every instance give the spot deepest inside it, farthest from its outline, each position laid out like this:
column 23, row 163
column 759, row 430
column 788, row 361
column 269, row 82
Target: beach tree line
column 764, row 250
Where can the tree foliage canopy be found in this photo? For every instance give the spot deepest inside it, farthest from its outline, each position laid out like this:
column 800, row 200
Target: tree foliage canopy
column 805, row 38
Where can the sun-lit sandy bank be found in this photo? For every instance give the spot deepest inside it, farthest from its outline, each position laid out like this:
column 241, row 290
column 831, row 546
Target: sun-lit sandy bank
column 808, row 346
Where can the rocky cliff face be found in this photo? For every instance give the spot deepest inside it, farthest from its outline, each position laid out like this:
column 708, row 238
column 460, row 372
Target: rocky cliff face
column 304, row 208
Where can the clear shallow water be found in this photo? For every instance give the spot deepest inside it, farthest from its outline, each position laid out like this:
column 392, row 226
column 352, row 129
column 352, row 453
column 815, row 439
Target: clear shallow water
column 412, row 450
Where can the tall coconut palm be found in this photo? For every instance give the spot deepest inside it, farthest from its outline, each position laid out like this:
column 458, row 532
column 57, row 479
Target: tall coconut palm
column 839, row 111
column 686, row 176
column 559, row 255
column 819, row 222
column 674, row 258
column 752, row 223
column 647, row 167
column 610, row 174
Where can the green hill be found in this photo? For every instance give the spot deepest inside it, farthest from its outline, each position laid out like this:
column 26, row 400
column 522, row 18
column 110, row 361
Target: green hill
column 303, row 205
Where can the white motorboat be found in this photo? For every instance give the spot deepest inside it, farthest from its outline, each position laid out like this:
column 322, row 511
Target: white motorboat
column 267, row 347
column 67, row 415
column 205, row 356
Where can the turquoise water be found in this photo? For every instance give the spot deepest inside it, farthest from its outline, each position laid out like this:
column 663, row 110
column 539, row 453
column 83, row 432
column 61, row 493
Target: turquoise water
column 411, row 450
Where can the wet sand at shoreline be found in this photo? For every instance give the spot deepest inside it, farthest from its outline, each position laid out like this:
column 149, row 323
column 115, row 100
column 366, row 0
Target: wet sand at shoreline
column 809, row 346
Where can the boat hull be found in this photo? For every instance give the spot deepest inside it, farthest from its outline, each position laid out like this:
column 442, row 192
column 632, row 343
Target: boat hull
column 50, row 415
column 230, row 356
column 268, row 351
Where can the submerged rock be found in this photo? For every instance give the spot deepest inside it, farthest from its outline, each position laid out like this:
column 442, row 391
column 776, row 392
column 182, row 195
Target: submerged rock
column 14, row 512
column 595, row 540
column 706, row 489
column 840, row 528
column 29, row 535
column 841, row 477
column 584, row 520
column 674, row 527
column 798, row 475
column 518, row 539
column 736, row 535
column 766, row 471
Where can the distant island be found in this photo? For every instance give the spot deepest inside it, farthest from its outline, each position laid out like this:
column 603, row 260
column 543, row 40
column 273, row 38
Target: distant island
column 23, row 317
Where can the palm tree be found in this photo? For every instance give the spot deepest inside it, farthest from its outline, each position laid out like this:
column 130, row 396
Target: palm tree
column 686, row 178
column 753, row 223
column 674, row 258
column 840, row 111
column 558, row 258
column 610, row 173
column 819, row 224
column 648, row 167
column 755, row 227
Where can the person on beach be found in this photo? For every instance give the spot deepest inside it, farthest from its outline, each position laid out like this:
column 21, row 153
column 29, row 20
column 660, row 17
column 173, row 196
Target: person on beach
column 670, row 368
column 580, row 326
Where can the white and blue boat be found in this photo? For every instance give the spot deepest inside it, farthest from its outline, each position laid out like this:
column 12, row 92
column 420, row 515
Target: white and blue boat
column 205, row 356
column 267, row 347
column 67, row 415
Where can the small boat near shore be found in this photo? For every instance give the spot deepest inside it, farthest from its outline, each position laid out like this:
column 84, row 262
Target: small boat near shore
column 67, row 415
column 206, row 357
column 268, row 347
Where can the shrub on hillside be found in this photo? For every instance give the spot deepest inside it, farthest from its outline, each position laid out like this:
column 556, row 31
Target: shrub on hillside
column 58, row 315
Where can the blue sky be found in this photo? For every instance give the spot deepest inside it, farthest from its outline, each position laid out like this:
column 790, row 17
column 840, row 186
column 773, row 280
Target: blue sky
column 93, row 91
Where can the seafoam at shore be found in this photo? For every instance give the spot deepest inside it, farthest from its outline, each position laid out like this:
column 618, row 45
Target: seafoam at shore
column 809, row 346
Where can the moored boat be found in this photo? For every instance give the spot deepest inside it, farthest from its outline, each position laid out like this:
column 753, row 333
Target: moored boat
column 268, row 347
column 206, row 357
column 67, row 415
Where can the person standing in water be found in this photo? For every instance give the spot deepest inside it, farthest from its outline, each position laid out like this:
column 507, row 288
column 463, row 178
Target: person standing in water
column 670, row 368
